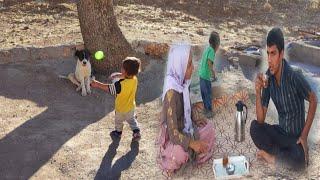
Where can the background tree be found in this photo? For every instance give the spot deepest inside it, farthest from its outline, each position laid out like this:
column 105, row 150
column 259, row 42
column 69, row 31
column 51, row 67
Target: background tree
column 100, row 31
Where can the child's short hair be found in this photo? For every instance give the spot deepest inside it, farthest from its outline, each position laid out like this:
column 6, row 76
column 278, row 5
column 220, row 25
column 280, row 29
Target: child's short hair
column 131, row 65
column 214, row 40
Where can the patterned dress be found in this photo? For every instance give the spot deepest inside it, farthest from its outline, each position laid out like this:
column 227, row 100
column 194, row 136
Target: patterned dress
column 173, row 142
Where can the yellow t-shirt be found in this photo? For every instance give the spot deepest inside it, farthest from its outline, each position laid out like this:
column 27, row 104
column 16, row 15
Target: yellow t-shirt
column 126, row 95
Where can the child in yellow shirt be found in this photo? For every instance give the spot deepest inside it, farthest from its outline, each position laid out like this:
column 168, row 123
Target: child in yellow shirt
column 125, row 91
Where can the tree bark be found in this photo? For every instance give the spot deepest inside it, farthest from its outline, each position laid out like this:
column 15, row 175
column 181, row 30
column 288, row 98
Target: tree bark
column 100, row 31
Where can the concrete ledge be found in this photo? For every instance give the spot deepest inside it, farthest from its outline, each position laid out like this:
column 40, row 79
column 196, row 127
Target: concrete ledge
column 303, row 52
column 31, row 53
column 37, row 53
column 160, row 50
column 249, row 59
column 153, row 49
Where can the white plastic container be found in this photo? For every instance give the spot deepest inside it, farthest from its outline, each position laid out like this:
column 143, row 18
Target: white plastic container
column 241, row 167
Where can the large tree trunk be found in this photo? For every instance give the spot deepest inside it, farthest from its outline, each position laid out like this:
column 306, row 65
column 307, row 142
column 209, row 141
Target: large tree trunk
column 100, row 31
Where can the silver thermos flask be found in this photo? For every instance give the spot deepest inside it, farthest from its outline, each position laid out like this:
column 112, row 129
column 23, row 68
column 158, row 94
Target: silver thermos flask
column 240, row 122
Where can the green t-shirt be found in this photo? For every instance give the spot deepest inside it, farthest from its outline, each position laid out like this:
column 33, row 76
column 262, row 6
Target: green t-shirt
column 204, row 70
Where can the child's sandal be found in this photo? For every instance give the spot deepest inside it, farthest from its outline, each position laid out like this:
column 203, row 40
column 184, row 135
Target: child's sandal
column 116, row 134
column 136, row 135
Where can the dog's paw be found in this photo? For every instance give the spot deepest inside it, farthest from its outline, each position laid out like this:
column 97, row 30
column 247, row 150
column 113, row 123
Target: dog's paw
column 89, row 91
column 78, row 88
column 84, row 93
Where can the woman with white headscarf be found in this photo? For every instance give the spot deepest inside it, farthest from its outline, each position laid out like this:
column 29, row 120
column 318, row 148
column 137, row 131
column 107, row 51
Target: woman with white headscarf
column 182, row 138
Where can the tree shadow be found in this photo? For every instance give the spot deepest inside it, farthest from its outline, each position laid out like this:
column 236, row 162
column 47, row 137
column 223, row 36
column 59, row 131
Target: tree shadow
column 151, row 82
column 109, row 171
column 29, row 146
column 217, row 11
column 24, row 150
column 60, row 7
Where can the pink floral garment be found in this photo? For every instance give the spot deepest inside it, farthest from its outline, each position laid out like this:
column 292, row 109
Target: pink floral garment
column 173, row 144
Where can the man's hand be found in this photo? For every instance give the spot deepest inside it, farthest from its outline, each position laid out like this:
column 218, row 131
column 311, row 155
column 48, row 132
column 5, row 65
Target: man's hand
column 304, row 142
column 260, row 110
column 259, row 83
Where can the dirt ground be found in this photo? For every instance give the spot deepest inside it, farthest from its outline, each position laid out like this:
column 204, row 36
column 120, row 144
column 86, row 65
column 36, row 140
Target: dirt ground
column 41, row 24
column 48, row 131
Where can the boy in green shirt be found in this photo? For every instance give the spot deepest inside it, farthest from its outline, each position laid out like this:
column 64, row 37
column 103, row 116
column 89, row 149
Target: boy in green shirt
column 206, row 72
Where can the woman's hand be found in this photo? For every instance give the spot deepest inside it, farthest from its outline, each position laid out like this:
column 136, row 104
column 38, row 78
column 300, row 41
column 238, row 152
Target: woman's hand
column 198, row 146
column 201, row 122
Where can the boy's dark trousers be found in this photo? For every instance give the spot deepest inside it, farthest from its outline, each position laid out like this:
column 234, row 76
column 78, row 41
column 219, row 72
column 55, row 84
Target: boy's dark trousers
column 206, row 93
column 273, row 140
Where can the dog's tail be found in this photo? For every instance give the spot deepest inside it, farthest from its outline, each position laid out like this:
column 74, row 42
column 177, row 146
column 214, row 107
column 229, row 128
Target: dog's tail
column 63, row 77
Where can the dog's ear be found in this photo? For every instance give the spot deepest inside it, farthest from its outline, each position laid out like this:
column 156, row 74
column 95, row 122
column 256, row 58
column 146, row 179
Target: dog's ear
column 93, row 72
column 77, row 53
column 87, row 52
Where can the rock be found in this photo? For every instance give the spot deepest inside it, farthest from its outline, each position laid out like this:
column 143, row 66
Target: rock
column 313, row 5
column 249, row 59
column 187, row 19
column 197, row 50
column 200, row 32
column 222, row 51
column 156, row 49
column 267, row 7
column 256, row 42
column 25, row 28
column 234, row 61
column 136, row 45
column 56, row 16
column 45, row 21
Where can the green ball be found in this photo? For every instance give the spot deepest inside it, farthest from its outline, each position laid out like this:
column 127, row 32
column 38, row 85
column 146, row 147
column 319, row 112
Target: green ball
column 99, row 55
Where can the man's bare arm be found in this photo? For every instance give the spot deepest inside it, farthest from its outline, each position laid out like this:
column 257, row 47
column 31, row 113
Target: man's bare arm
column 311, row 113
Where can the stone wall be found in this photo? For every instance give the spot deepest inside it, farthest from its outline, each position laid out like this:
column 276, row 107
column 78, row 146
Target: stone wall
column 153, row 49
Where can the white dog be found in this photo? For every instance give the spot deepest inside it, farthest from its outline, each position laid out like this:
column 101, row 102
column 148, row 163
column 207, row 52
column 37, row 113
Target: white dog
column 82, row 75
